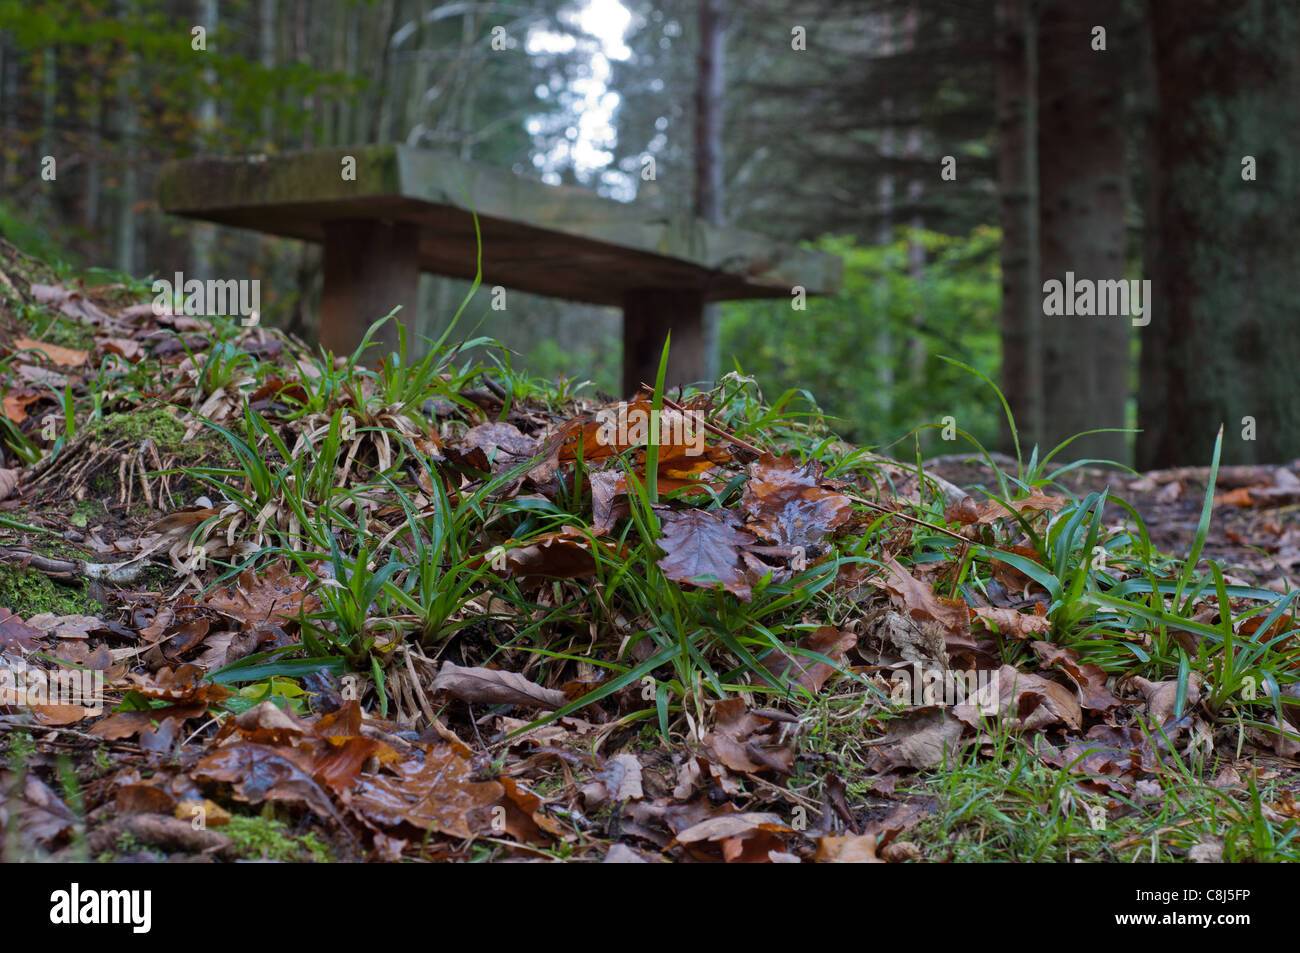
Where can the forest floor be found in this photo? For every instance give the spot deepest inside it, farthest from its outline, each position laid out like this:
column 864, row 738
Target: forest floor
column 328, row 610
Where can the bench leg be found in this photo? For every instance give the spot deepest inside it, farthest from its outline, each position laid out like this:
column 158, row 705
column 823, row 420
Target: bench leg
column 370, row 268
column 648, row 315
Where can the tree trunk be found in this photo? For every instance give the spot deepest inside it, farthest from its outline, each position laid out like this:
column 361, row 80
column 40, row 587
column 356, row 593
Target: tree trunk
column 710, row 87
column 1082, row 186
column 1222, row 344
column 203, row 237
column 1017, row 110
column 124, row 240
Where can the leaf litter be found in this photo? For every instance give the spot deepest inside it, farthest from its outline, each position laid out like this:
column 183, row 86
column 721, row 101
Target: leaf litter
column 428, row 618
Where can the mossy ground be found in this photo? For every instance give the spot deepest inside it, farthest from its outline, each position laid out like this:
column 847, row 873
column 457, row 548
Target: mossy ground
column 157, row 424
column 265, row 838
column 26, row 592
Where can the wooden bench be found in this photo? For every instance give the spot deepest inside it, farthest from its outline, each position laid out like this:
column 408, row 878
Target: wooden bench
column 410, row 209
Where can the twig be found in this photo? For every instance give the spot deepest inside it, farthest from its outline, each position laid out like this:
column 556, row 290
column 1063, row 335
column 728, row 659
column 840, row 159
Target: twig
column 903, row 516
column 711, row 428
column 718, row 431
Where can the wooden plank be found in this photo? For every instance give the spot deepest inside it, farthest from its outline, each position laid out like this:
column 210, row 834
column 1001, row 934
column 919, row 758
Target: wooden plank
column 553, row 240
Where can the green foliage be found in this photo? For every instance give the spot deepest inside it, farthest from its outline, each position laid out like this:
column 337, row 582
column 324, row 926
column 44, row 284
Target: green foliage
column 872, row 351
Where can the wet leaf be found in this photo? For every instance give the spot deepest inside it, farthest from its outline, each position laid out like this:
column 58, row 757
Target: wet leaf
column 787, row 505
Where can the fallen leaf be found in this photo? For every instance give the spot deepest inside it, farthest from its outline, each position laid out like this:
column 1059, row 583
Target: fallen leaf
column 619, row 781
column 853, row 849
column 62, row 356
column 1161, row 697
column 702, row 548
column 563, row 555
column 787, row 505
column 920, row 598
column 1030, row 700
column 922, row 739
column 9, row 480
column 262, row 601
column 66, row 626
column 1088, row 678
column 969, row 512
column 743, row 837
column 744, row 741
column 494, row 687
column 17, row 634
column 36, row 812
column 71, row 302
column 1010, row 622
column 808, row 672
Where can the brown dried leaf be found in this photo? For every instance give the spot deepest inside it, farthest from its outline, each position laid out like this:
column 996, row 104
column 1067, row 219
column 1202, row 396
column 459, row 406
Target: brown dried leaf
column 787, row 505
column 17, row 634
column 984, row 513
column 1034, row 702
column 62, row 356
column 1161, row 697
column 702, row 548
column 563, row 555
column 744, row 741
column 1019, row 625
column 811, row 673
column 743, row 838
column 922, row 738
column 920, row 599
column 72, row 303
column 37, row 813
column 262, row 601
column 494, row 687
column 1090, row 679
column 853, row 849
column 9, row 480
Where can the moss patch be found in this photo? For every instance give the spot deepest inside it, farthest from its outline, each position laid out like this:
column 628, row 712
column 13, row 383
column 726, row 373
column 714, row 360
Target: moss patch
column 267, row 838
column 26, row 592
column 158, row 425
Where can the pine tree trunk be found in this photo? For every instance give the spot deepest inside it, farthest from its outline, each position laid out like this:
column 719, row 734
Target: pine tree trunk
column 1017, row 109
column 1225, row 267
column 1082, row 186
